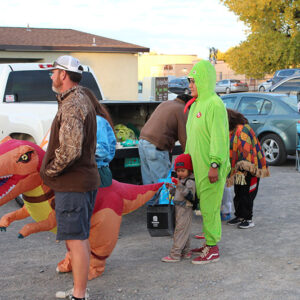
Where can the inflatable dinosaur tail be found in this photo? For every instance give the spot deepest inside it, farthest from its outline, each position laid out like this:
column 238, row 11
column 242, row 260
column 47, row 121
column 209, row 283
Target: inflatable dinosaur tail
column 138, row 195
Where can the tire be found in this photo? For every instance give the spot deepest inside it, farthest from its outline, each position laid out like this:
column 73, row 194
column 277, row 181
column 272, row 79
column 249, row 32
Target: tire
column 227, row 91
column 19, row 200
column 274, row 149
column 262, row 89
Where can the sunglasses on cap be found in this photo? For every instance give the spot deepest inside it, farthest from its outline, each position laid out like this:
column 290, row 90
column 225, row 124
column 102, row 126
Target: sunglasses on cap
column 56, row 64
column 191, row 80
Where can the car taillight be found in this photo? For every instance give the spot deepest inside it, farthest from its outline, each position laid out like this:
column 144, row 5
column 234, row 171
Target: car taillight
column 45, row 66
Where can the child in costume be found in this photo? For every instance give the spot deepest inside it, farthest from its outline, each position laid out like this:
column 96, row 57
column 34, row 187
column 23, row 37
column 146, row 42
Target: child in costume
column 184, row 191
column 248, row 165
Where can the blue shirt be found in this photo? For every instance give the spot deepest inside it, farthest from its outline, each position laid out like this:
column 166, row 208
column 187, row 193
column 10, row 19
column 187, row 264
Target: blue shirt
column 106, row 142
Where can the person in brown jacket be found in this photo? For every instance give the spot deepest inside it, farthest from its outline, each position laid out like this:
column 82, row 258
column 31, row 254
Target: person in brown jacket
column 70, row 169
column 158, row 136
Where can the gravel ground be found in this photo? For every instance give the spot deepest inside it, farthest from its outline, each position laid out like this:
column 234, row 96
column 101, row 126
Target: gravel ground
column 258, row 263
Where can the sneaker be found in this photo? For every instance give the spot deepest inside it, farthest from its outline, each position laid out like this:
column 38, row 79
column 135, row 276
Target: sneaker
column 169, row 259
column 68, row 294
column 235, row 221
column 199, row 236
column 198, row 250
column 225, row 217
column 187, row 255
column 246, row 224
column 209, row 254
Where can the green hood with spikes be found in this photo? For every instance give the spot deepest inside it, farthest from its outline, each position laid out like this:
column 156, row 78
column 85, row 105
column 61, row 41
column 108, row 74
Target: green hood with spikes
column 204, row 74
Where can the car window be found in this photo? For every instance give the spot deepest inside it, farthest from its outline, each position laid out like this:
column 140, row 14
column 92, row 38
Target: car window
column 286, row 73
column 229, row 102
column 37, row 86
column 289, row 85
column 291, row 101
column 250, row 105
column 266, row 108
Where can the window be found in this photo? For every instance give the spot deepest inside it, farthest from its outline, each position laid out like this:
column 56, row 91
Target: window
column 229, row 102
column 288, row 86
column 250, row 105
column 286, row 73
column 37, row 86
column 267, row 106
column 140, row 87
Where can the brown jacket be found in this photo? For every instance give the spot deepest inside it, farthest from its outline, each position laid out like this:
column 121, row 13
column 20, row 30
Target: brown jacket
column 166, row 125
column 69, row 164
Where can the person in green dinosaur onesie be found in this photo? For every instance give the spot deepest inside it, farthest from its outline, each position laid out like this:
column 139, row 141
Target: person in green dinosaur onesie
column 208, row 144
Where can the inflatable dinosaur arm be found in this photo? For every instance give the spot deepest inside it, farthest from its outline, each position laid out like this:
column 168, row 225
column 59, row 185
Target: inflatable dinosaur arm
column 19, row 214
column 45, row 225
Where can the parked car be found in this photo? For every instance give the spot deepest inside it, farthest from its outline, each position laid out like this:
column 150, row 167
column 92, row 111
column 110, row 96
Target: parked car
column 278, row 76
column 231, row 85
column 273, row 117
column 287, row 85
column 283, row 73
column 179, row 86
column 265, row 85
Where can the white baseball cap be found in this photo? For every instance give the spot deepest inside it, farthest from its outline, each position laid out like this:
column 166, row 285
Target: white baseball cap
column 68, row 63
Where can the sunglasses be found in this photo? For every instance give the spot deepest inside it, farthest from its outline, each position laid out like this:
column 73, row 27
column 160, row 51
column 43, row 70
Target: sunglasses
column 191, row 80
column 56, row 64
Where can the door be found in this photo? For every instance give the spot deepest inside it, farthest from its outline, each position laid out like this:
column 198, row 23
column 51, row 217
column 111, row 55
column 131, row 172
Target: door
column 252, row 108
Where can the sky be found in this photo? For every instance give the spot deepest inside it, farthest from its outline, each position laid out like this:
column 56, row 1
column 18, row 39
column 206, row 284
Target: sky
column 164, row 26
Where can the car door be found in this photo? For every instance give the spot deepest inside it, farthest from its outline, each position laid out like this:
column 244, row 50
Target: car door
column 251, row 108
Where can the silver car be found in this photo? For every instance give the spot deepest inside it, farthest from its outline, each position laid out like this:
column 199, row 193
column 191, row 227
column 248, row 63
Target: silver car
column 228, row 86
column 264, row 86
column 287, row 85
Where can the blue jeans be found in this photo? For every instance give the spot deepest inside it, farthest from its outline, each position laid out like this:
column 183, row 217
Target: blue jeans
column 155, row 164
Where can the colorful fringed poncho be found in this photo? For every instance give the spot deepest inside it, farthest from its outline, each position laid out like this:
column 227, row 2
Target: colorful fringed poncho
column 246, row 155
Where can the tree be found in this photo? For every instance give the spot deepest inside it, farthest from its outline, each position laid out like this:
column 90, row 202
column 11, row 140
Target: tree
column 273, row 41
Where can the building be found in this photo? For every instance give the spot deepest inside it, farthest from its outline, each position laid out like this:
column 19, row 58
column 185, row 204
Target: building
column 114, row 62
column 156, row 65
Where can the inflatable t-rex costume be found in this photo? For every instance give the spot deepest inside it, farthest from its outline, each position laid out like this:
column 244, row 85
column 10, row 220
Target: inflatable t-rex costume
column 20, row 163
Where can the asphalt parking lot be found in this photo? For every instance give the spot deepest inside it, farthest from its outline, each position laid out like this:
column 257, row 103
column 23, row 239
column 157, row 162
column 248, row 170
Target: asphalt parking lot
column 257, row 263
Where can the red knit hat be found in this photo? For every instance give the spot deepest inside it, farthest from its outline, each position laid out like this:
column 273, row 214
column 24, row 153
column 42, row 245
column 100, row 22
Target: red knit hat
column 183, row 161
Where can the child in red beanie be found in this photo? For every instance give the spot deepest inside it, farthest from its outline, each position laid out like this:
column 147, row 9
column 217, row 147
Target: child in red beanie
column 184, row 190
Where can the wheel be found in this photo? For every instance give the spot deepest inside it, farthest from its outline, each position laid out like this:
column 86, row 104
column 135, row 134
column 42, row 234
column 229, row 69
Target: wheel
column 262, row 89
column 19, row 200
column 227, row 91
column 274, row 149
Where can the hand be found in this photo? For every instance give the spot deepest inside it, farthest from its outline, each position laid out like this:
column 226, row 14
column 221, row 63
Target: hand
column 213, row 175
column 174, row 180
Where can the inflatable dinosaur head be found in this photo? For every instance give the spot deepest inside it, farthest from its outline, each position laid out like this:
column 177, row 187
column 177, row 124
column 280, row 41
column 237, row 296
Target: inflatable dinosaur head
column 20, row 162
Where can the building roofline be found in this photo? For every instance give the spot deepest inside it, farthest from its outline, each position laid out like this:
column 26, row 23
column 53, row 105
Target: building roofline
column 72, row 48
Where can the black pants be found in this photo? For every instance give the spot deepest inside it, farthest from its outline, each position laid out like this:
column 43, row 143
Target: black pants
column 244, row 197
